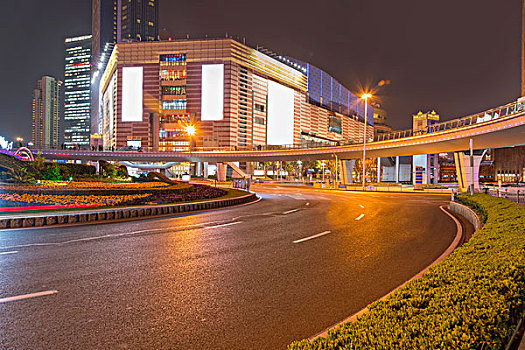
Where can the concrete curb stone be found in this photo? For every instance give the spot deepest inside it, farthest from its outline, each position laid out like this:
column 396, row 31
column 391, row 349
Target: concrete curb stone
column 119, row 214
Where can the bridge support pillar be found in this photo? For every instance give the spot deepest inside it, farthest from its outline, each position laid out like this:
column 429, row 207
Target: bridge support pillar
column 378, row 169
column 221, row 172
column 464, row 170
column 396, row 175
column 347, row 169
column 205, row 170
column 198, row 169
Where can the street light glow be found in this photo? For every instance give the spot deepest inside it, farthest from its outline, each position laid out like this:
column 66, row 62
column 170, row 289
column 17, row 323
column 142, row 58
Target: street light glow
column 191, row 130
column 366, row 96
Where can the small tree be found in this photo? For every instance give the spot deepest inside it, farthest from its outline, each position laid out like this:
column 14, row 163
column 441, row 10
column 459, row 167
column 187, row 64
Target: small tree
column 52, row 173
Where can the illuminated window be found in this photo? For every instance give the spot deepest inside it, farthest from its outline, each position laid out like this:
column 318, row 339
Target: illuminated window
column 178, row 58
column 174, row 90
column 174, row 104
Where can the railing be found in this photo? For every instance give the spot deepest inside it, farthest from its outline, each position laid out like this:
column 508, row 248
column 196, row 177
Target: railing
column 491, row 114
column 515, row 194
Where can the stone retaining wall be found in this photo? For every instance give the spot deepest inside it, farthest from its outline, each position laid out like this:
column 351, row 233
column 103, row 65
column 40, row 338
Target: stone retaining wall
column 106, row 215
column 466, row 212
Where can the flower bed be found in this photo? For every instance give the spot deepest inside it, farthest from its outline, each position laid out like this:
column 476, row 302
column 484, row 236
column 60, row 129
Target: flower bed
column 21, row 200
column 95, row 188
column 471, row 300
column 198, row 192
column 81, row 194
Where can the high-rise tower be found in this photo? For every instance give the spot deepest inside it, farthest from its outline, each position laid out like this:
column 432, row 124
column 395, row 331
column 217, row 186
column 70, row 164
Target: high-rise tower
column 77, row 85
column 139, row 20
column 46, row 102
column 116, row 21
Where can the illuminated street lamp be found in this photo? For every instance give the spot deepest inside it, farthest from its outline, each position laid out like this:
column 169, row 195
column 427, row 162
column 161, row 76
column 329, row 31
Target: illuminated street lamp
column 365, row 97
column 19, row 139
column 190, row 131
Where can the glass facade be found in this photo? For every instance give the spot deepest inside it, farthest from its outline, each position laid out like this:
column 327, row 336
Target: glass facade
column 138, row 20
column 77, row 86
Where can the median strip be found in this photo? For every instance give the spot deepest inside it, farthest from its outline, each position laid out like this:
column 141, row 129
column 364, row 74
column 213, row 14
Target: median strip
column 312, row 237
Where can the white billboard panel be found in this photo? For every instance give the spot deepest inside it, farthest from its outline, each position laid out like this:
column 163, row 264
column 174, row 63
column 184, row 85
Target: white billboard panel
column 212, row 99
column 132, row 104
column 280, row 114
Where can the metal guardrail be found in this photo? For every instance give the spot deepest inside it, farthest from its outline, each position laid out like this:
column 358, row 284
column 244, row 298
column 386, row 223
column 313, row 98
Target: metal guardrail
column 511, row 193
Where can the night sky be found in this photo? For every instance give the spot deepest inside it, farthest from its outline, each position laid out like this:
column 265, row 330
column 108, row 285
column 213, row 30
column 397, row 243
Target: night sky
column 458, row 57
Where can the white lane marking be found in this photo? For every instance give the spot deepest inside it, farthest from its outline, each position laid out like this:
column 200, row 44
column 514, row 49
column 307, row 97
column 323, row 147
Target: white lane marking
column 27, row 296
column 223, row 225
column 5, row 253
column 359, row 217
column 110, row 235
column 361, row 206
column 312, row 237
column 290, row 211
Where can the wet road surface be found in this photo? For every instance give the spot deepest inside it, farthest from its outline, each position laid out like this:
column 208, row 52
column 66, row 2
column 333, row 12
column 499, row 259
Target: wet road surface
column 251, row 277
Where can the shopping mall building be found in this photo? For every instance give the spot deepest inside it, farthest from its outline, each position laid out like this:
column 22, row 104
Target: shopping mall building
column 237, row 96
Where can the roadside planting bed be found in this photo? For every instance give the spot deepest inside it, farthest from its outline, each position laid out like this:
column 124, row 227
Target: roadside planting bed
column 101, row 194
column 471, row 300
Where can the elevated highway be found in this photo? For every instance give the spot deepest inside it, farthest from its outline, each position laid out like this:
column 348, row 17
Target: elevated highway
column 500, row 127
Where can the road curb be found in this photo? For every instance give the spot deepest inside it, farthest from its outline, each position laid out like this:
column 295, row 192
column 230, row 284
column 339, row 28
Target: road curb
column 447, row 252
column 119, row 214
column 467, row 213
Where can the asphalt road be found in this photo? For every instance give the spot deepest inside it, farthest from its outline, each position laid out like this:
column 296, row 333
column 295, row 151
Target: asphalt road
column 252, row 277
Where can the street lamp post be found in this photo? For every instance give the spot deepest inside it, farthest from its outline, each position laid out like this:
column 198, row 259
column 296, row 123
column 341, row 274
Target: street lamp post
column 365, row 97
column 190, row 130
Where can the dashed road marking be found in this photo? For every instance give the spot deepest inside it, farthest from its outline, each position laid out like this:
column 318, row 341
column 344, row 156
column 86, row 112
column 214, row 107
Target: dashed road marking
column 12, row 252
column 223, row 225
column 362, row 206
column 359, row 217
column 312, row 237
column 27, row 296
column 290, row 211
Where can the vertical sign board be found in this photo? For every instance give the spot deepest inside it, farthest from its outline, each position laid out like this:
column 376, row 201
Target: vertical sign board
column 418, row 184
column 132, row 99
column 280, row 114
column 212, row 96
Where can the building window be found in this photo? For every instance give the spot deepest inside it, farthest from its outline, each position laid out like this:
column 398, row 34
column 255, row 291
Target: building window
column 178, row 58
column 174, row 90
column 334, row 124
column 174, row 104
column 259, row 107
column 258, row 120
column 168, row 75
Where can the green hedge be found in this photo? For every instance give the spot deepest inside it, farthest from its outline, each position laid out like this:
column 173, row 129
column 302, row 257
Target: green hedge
column 471, row 300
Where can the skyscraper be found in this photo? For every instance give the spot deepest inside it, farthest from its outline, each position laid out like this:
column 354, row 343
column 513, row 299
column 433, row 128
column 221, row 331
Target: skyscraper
column 116, row 21
column 77, row 84
column 46, row 98
column 138, row 20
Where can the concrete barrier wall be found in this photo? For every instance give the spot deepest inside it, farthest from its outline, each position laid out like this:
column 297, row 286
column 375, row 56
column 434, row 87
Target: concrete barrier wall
column 466, row 212
column 108, row 215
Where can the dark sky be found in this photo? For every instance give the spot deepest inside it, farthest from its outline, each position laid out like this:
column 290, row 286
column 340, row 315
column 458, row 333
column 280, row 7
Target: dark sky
column 455, row 56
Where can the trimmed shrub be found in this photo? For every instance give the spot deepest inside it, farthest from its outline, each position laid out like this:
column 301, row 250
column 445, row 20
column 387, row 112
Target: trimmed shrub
column 471, row 300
